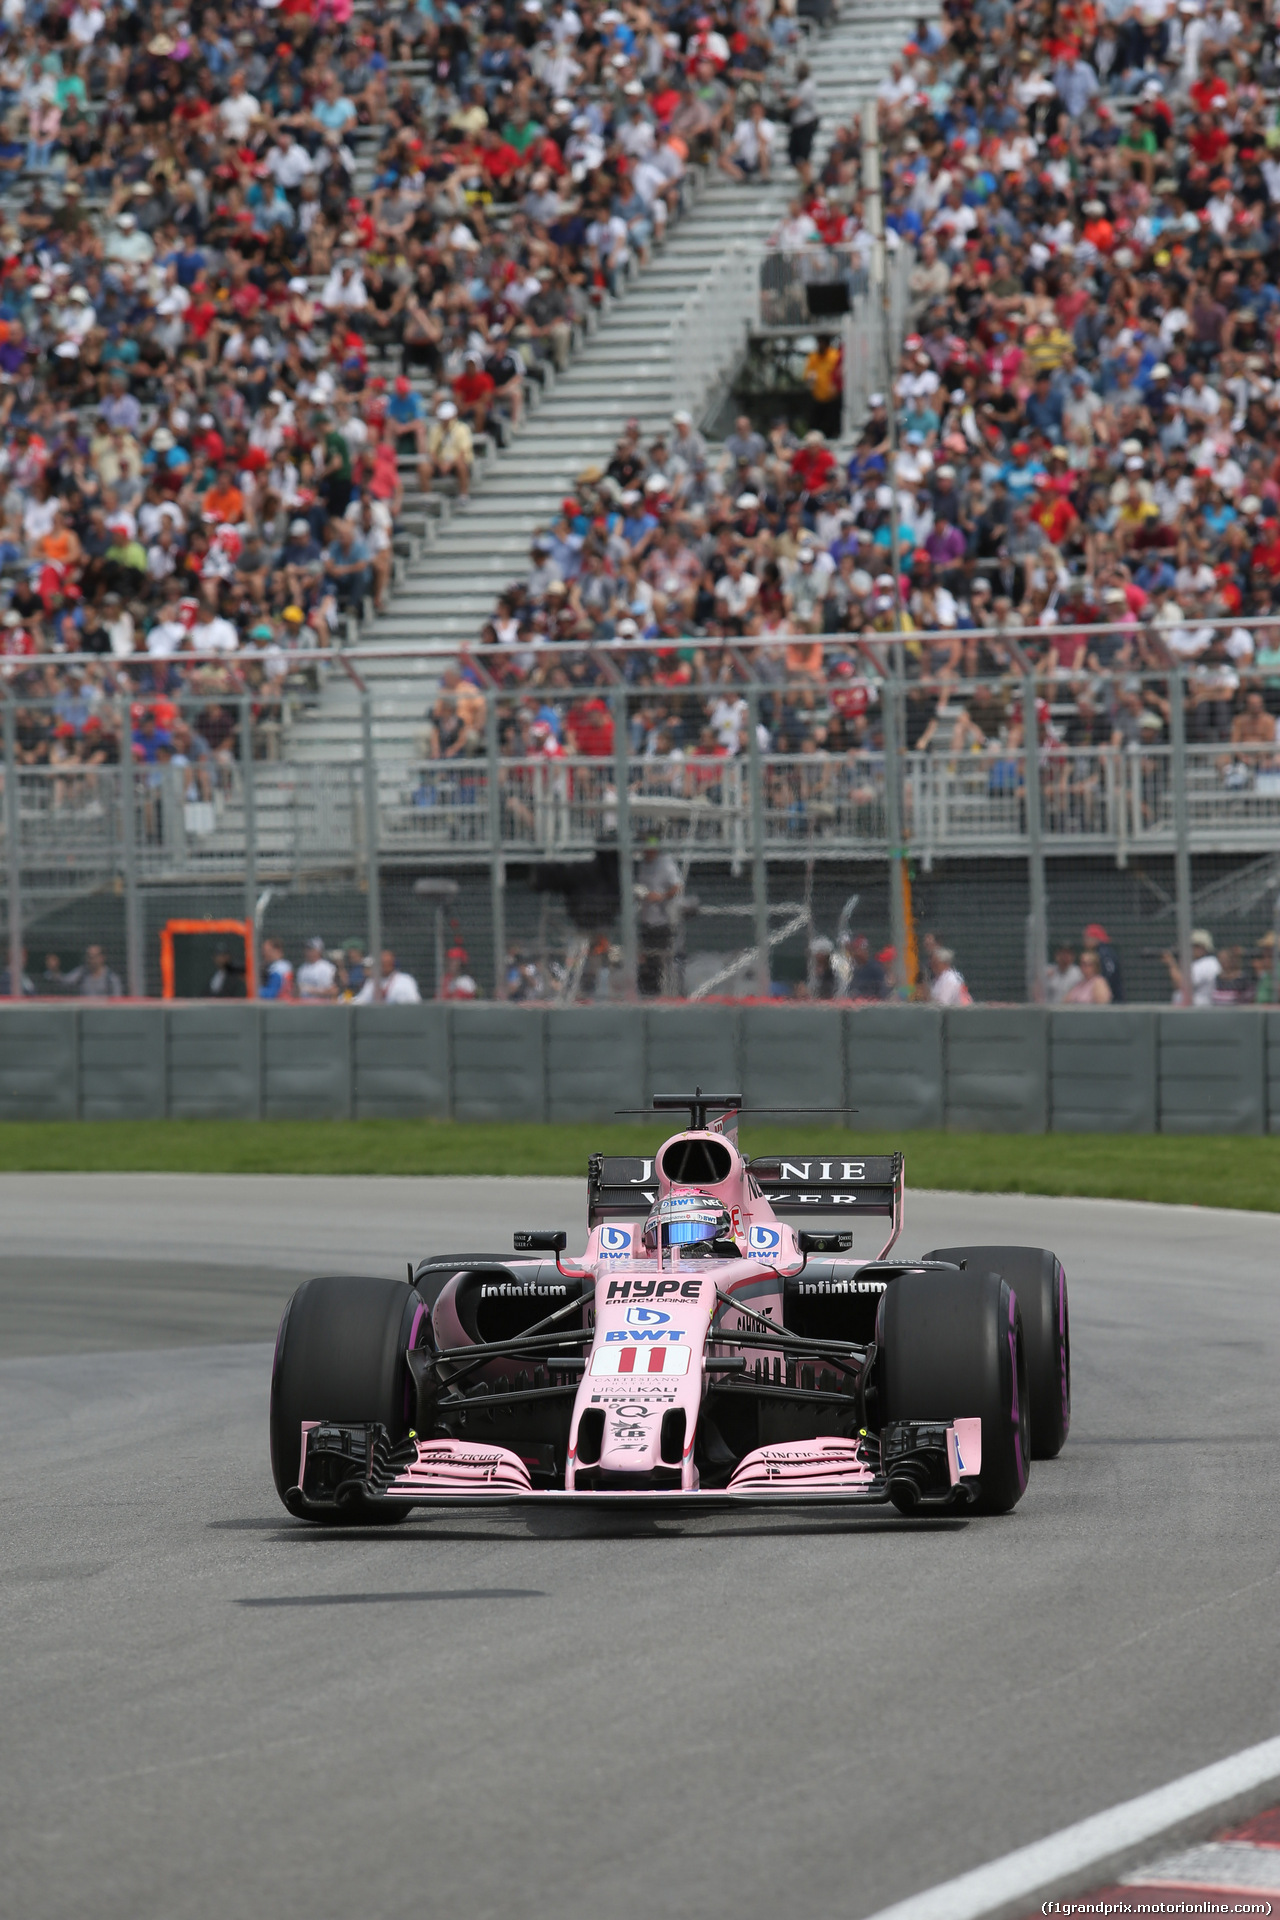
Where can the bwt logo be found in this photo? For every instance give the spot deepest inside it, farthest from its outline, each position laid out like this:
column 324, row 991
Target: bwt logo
column 764, row 1240
column 647, row 1333
column 646, row 1317
column 615, row 1239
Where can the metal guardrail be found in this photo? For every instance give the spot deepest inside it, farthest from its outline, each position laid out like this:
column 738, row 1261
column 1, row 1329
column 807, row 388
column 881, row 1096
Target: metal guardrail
column 709, row 333
column 786, row 276
column 868, row 359
column 310, row 817
column 72, row 826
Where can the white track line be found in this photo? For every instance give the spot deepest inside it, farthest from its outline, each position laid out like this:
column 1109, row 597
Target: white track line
column 1103, row 1845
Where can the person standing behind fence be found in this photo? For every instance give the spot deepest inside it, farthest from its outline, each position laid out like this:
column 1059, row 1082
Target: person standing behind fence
column 393, row 988
column 1100, row 940
column 1091, row 989
column 824, row 377
column 93, row 980
column 1061, row 979
column 277, row 973
column 27, row 985
column 658, row 885
column 948, row 988
column 317, row 976
column 1205, row 969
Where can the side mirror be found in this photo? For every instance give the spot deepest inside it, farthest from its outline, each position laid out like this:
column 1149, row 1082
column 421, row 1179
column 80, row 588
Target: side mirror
column 825, row 1242
column 550, row 1240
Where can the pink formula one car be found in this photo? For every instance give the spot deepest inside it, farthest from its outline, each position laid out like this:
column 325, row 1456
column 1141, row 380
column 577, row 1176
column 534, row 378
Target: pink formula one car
column 701, row 1353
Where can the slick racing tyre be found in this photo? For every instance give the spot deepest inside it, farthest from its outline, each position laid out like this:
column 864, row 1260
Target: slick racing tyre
column 951, row 1347
column 1037, row 1278
column 340, row 1355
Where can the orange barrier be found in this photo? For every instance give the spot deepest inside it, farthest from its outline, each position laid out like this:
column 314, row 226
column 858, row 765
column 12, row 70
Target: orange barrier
column 242, row 928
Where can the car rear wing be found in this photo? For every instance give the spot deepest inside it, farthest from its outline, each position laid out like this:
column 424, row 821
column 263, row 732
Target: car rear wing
column 800, row 1185
column 623, row 1188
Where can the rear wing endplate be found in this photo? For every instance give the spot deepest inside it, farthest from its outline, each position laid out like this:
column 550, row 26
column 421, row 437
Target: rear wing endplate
column 619, row 1188
column 808, row 1183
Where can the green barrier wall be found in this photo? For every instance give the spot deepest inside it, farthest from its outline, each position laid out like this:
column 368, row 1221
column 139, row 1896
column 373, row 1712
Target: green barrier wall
column 990, row 1069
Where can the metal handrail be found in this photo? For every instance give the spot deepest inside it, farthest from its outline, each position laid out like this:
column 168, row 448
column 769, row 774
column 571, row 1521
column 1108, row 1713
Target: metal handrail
column 843, row 645
column 1094, row 799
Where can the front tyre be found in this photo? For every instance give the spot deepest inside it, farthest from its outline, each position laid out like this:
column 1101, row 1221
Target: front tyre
column 951, row 1347
column 1037, row 1277
column 340, row 1356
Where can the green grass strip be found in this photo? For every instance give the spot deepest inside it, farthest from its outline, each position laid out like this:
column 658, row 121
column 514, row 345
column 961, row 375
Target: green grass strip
column 1209, row 1171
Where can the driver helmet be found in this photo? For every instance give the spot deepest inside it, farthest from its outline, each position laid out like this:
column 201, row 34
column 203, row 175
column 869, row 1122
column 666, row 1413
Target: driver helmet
column 686, row 1218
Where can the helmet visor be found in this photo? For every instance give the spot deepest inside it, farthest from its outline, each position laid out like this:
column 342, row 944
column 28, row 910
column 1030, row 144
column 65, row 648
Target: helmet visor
column 684, row 1233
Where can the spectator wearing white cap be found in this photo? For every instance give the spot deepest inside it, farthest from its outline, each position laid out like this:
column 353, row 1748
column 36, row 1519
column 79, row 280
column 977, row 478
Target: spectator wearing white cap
column 317, row 977
column 450, row 448
column 1205, row 968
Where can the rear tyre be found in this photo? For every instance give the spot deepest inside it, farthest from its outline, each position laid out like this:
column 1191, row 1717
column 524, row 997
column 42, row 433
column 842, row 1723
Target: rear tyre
column 951, row 1347
column 1037, row 1277
column 340, row 1356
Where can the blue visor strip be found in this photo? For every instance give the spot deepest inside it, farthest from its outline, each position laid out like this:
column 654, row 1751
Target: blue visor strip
column 681, row 1232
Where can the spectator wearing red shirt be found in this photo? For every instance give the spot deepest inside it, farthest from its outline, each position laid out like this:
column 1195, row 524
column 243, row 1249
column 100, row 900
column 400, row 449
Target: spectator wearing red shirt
column 498, row 157
column 590, row 728
column 1209, row 140
column 1265, row 557
column 208, row 441
column 473, row 389
column 1053, row 511
column 1207, row 93
column 813, row 463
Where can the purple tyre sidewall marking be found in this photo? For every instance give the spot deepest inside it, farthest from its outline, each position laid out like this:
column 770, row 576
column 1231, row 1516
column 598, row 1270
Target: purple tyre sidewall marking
column 420, row 1314
column 1015, row 1410
column 1064, row 1362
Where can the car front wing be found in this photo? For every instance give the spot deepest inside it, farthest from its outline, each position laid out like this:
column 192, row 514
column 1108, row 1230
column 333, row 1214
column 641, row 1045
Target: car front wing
column 355, row 1472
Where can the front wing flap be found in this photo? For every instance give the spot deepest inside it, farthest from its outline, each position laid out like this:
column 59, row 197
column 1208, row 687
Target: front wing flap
column 356, row 1472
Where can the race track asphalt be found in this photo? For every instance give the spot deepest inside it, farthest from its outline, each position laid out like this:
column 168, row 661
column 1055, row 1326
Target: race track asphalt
column 210, row 1711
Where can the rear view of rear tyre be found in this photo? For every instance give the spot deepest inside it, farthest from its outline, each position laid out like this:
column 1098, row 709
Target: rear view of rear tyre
column 340, row 1356
column 951, row 1347
column 1037, row 1278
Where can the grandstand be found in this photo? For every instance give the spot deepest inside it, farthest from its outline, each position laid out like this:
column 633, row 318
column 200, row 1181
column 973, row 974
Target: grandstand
column 381, row 397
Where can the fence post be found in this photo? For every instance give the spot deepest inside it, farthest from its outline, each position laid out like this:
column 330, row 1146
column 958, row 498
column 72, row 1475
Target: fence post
column 497, row 864
column 850, row 398
column 13, row 847
column 249, row 805
column 1181, row 830
column 759, row 870
column 893, row 817
column 626, row 862
column 370, row 789
column 1037, row 919
column 135, row 975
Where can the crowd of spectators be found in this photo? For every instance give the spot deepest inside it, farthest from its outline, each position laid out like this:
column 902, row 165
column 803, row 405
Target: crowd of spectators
column 1087, row 414
column 255, row 259
column 344, row 972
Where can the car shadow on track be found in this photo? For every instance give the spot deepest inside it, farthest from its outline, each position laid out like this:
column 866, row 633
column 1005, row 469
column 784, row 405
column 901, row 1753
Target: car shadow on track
column 583, row 1527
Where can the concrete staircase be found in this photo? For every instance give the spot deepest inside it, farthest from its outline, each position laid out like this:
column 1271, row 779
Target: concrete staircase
column 449, row 588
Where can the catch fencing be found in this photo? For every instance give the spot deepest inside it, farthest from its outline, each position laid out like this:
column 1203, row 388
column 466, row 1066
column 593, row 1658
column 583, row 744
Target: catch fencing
column 996, row 1070
column 892, row 800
